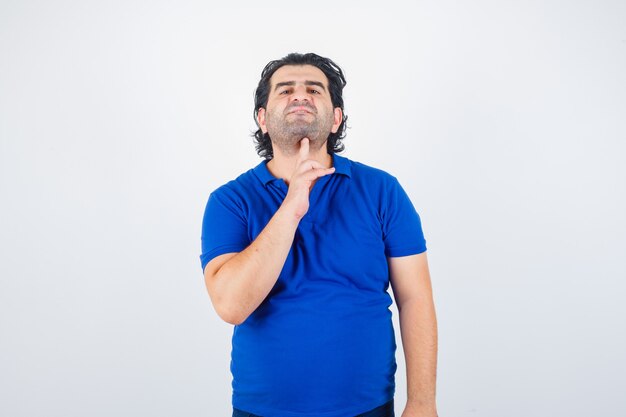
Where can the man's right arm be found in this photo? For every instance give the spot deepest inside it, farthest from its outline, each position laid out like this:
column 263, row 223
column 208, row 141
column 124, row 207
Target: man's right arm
column 239, row 282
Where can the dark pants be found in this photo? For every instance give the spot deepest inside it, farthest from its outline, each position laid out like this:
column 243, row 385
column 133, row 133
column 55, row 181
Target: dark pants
column 385, row 410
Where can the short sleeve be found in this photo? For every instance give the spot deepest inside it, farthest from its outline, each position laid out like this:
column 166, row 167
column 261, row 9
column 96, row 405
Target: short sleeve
column 224, row 227
column 402, row 226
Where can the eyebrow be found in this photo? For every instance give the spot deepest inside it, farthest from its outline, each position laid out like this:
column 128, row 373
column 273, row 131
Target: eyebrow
column 291, row 83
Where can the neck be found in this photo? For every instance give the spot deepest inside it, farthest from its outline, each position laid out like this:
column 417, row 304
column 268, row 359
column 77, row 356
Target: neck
column 282, row 164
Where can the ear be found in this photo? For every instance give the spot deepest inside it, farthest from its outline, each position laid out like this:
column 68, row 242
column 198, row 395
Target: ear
column 338, row 118
column 260, row 118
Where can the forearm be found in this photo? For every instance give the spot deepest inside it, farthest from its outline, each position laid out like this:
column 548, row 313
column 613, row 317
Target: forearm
column 243, row 282
column 418, row 326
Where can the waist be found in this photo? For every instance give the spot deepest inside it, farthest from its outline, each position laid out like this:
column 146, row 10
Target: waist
column 322, row 360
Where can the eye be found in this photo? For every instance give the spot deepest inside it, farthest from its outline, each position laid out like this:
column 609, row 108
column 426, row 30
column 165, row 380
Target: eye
column 314, row 91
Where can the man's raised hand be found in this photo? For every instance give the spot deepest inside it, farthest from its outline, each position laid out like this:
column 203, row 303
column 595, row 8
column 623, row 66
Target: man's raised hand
column 304, row 175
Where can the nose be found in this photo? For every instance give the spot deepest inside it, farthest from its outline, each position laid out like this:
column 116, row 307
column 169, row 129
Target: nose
column 300, row 93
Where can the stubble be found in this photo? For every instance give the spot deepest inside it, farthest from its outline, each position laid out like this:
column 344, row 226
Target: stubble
column 287, row 130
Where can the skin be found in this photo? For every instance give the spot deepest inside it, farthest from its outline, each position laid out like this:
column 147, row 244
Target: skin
column 298, row 111
column 299, row 116
column 410, row 281
column 299, row 106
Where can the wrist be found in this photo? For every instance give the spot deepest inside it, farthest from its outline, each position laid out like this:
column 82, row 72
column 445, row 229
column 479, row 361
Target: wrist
column 420, row 404
column 292, row 210
column 288, row 214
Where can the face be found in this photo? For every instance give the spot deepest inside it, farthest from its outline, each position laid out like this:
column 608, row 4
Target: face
column 299, row 106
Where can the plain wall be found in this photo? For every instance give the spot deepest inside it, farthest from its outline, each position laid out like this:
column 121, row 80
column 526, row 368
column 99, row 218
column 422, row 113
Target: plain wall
column 505, row 121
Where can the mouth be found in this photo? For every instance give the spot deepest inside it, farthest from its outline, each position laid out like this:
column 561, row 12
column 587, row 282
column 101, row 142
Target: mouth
column 300, row 110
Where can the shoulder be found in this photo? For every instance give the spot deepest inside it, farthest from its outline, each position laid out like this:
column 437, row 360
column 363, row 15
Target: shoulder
column 368, row 174
column 369, row 171
column 237, row 191
column 244, row 182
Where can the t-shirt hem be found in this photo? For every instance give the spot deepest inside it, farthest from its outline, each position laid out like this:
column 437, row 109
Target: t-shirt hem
column 406, row 251
column 353, row 411
column 205, row 258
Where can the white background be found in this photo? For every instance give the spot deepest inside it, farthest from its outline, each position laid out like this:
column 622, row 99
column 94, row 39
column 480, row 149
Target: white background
column 505, row 121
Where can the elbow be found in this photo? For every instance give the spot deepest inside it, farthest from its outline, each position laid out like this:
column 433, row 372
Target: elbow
column 222, row 306
column 227, row 305
column 230, row 315
column 231, row 319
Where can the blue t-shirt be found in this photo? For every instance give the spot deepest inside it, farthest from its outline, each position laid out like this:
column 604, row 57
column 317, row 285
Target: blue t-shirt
column 322, row 343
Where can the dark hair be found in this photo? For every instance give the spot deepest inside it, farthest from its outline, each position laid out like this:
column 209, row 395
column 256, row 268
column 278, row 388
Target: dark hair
column 336, row 83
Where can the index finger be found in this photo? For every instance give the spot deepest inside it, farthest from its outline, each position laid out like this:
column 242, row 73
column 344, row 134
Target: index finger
column 304, row 149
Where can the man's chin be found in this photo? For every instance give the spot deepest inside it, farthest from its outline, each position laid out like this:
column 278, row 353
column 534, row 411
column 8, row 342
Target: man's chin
column 291, row 145
column 295, row 136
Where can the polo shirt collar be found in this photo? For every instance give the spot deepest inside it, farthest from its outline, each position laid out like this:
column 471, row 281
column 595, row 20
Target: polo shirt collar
column 263, row 173
column 341, row 164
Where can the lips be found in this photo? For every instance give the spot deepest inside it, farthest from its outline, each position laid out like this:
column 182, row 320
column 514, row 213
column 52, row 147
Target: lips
column 301, row 108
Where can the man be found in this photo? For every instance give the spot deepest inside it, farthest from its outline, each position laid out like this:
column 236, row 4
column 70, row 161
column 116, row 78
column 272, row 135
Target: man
column 298, row 254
